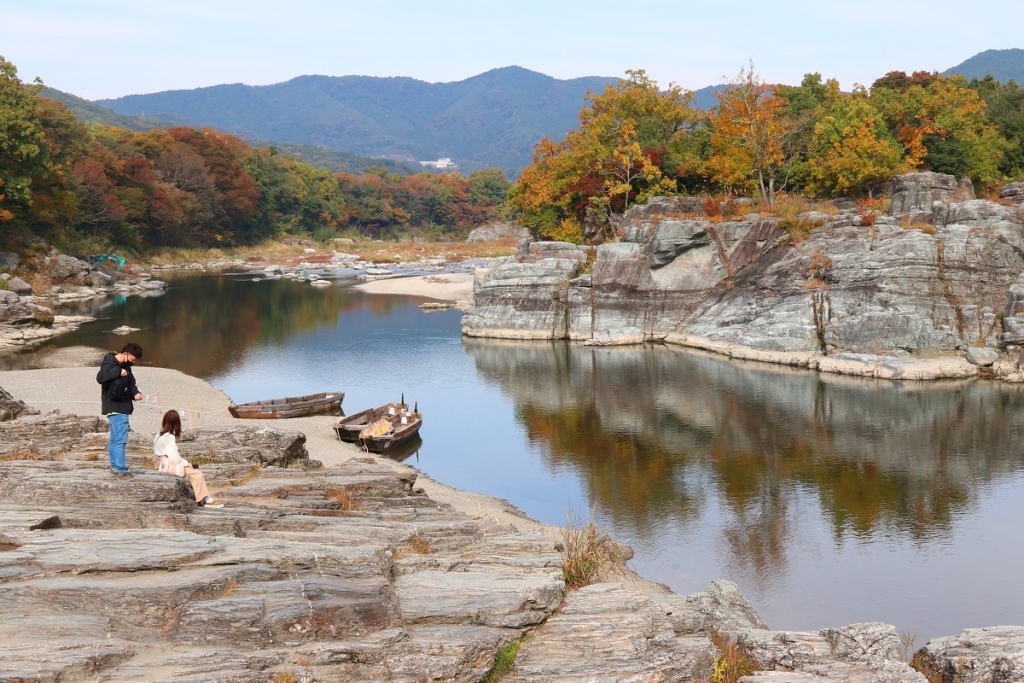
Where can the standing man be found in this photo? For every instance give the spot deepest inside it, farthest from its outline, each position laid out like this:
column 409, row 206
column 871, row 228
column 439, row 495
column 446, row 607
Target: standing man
column 119, row 391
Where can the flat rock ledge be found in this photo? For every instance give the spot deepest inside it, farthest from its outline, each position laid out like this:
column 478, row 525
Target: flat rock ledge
column 349, row 573
column 934, row 290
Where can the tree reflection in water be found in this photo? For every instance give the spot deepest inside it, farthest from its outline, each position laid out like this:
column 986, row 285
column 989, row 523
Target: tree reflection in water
column 656, row 433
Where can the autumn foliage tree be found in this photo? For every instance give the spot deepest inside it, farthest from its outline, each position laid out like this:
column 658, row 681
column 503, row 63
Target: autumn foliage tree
column 623, row 152
column 941, row 123
column 23, row 144
column 851, row 150
column 751, row 136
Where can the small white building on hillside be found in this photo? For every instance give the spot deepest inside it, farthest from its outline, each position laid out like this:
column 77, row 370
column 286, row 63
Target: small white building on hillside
column 440, row 163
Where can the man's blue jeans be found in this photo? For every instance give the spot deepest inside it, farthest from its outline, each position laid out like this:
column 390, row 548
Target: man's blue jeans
column 118, row 440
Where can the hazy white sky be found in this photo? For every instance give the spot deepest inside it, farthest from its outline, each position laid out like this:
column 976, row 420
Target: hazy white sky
column 108, row 48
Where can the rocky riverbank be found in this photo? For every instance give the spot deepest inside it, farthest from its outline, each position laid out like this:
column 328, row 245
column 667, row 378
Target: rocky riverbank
column 935, row 289
column 27, row 310
column 352, row 571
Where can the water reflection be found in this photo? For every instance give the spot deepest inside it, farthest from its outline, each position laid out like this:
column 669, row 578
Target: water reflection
column 206, row 325
column 664, row 438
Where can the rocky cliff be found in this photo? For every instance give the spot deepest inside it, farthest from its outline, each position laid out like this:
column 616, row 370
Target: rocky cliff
column 935, row 289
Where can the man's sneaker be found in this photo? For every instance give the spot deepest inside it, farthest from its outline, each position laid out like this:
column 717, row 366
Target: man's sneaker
column 209, row 503
column 121, row 475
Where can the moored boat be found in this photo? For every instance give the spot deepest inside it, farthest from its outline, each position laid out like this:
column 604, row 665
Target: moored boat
column 294, row 406
column 348, row 427
column 391, row 431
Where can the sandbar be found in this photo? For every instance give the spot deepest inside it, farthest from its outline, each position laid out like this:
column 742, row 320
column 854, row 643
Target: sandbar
column 443, row 287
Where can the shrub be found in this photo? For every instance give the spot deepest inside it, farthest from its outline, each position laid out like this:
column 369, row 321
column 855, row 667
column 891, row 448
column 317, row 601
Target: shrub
column 732, row 664
column 589, row 554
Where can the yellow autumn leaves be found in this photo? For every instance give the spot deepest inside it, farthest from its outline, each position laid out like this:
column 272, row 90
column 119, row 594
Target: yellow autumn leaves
column 635, row 141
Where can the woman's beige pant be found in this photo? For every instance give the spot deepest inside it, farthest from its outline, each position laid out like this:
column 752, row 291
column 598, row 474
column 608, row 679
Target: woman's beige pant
column 198, row 483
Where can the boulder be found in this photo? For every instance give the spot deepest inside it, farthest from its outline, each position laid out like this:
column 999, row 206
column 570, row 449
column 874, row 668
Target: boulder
column 982, row 357
column 9, row 260
column 493, row 232
column 526, row 297
column 914, row 193
column 11, row 407
column 977, row 655
column 64, row 267
column 1013, row 192
column 19, row 286
column 98, row 278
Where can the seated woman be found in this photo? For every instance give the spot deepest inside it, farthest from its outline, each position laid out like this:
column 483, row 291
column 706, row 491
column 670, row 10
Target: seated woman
column 165, row 446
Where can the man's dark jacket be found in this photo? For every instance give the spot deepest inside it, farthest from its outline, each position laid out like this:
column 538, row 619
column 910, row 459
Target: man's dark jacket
column 114, row 385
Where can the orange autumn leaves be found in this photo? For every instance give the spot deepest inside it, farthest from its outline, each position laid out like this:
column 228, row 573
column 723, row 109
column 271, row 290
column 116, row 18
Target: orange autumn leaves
column 636, row 141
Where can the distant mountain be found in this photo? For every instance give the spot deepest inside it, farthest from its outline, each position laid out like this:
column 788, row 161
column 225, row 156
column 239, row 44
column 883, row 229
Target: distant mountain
column 1003, row 65
column 492, row 119
column 90, row 112
column 705, row 97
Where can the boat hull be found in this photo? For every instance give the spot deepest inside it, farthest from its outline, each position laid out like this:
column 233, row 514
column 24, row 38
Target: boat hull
column 348, row 428
column 402, row 434
column 295, row 406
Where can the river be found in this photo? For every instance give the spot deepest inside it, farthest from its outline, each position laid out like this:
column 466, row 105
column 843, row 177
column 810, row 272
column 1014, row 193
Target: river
column 829, row 500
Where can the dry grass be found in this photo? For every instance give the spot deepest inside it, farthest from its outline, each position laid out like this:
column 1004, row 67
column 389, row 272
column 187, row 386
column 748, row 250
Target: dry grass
column 247, row 476
column 414, row 544
column 200, row 460
column 348, row 501
column 378, row 252
column 733, row 663
column 285, row 677
column 907, row 641
column 589, row 555
column 923, row 226
column 24, row 453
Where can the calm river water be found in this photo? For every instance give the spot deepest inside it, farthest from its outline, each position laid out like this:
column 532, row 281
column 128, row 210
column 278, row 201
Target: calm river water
column 829, row 500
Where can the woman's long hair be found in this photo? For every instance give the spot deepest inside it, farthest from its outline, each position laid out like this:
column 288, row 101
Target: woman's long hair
column 171, row 424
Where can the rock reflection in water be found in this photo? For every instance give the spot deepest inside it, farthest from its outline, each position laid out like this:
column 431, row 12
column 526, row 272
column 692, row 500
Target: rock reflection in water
column 663, row 438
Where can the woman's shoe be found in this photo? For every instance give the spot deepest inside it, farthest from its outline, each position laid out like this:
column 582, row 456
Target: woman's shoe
column 212, row 504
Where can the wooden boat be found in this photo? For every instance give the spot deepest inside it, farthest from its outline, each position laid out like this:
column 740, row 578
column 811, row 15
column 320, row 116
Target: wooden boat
column 404, row 427
column 348, row 428
column 295, row 406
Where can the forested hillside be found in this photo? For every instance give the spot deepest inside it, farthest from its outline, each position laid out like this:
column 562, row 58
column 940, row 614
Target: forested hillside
column 1002, row 65
column 86, row 187
column 492, row 119
column 339, row 162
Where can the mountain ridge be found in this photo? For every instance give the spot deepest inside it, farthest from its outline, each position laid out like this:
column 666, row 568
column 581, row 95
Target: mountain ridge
column 1002, row 65
column 491, row 119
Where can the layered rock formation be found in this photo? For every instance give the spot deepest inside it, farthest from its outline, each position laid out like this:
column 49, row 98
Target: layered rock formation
column 347, row 574
column 933, row 290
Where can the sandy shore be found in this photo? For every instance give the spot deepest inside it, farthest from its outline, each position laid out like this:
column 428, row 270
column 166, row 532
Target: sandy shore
column 74, row 390
column 446, row 287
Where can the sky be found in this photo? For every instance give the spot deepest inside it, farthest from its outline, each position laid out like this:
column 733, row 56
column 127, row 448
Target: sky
column 109, row 48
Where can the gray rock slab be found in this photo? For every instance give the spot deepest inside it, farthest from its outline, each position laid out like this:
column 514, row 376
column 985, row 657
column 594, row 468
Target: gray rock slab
column 977, row 655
